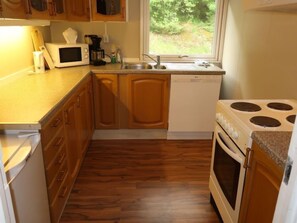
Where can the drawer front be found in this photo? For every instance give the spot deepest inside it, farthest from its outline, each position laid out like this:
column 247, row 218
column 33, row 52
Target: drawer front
column 59, row 201
column 57, row 182
column 53, row 169
column 52, row 149
column 51, row 128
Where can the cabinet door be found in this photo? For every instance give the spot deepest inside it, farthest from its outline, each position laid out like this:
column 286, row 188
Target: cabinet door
column 148, row 97
column 106, row 101
column 57, row 9
column 71, row 132
column 109, row 10
column 16, row 9
column 78, row 10
column 50, row 9
column 82, row 118
column 261, row 188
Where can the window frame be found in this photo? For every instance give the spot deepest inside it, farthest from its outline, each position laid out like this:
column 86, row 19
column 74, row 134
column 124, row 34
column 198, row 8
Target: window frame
column 216, row 55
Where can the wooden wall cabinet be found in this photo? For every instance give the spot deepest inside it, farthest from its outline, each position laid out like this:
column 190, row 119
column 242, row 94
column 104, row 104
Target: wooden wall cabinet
column 106, row 101
column 16, row 9
column 148, row 100
column 109, row 10
column 78, row 10
column 263, row 179
column 65, row 138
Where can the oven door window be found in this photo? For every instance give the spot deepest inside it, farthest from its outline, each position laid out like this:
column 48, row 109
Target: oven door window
column 227, row 171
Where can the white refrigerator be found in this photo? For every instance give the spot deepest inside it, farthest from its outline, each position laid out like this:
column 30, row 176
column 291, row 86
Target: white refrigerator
column 286, row 207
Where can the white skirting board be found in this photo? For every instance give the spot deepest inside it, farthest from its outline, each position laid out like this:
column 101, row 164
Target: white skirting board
column 189, row 135
column 149, row 134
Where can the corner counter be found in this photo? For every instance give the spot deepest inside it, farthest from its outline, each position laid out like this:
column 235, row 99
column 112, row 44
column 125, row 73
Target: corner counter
column 274, row 144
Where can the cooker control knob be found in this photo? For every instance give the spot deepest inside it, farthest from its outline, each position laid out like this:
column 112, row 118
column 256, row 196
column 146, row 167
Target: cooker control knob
column 219, row 117
column 234, row 134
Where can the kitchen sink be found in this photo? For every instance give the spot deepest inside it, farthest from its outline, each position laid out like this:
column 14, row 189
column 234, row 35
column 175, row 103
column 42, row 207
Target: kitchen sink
column 142, row 66
column 137, row 66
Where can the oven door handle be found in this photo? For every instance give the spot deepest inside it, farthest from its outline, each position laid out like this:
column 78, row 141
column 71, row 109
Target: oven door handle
column 227, row 149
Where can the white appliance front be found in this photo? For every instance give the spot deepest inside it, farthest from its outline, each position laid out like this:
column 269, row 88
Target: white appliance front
column 24, row 171
column 192, row 106
column 227, row 176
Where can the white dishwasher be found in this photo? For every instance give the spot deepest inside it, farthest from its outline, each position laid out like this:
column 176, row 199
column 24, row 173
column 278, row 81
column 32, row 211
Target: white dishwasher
column 192, row 106
column 24, row 169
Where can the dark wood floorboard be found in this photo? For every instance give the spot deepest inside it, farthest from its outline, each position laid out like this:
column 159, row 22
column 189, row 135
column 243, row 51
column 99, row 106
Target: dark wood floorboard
column 143, row 181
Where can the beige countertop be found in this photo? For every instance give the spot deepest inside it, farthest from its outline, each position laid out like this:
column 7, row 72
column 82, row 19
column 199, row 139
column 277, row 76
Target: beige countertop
column 26, row 101
column 274, row 144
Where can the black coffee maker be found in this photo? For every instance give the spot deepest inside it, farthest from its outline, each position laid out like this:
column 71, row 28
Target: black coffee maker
column 96, row 53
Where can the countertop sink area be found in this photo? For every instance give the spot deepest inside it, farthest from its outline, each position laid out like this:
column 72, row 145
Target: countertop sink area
column 137, row 66
column 163, row 66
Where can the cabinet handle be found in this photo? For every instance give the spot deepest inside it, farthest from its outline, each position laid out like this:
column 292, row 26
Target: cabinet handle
column 61, row 176
column 54, row 5
column 78, row 101
column 29, row 10
column 56, row 123
column 61, row 158
column 123, row 12
column 66, row 118
column 51, row 8
column 1, row 9
column 59, row 142
column 247, row 160
column 63, row 194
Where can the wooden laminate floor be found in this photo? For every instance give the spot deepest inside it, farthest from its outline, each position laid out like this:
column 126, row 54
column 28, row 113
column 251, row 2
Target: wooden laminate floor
column 143, row 181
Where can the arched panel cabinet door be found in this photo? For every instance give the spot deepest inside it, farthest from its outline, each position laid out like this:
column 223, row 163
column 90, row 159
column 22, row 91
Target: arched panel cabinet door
column 16, row 9
column 148, row 101
column 78, row 10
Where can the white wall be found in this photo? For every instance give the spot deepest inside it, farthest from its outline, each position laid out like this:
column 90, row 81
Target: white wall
column 260, row 54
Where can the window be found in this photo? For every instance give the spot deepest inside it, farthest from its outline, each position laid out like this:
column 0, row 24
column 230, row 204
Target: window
column 184, row 30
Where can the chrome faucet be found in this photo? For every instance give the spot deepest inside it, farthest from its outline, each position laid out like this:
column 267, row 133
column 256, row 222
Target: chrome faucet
column 158, row 61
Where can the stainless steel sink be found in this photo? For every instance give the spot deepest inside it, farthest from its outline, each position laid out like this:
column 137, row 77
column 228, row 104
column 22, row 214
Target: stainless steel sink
column 142, row 66
column 137, row 66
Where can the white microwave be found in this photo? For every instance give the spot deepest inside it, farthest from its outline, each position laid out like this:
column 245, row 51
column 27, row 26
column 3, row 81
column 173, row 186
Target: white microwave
column 67, row 55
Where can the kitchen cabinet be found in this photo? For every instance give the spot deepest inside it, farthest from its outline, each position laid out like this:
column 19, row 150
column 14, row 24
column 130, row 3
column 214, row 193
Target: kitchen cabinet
column 50, row 9
column 78, row 10
column 109, row 10
column 16, row 9
column 106, row 101
column 65, row 138
column 148, row 100
column 55, row 161
column 271, row 5
column 263, row 179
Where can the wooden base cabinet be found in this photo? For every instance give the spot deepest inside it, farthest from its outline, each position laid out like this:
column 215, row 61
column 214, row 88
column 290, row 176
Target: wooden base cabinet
column 148, row 100
column 65, row 138
column 106, row 101
column 263, row 179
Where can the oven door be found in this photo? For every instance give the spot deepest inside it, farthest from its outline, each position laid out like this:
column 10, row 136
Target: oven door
column 226, row 175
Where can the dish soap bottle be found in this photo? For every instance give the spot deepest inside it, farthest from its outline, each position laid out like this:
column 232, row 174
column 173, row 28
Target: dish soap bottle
column 113, row 54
